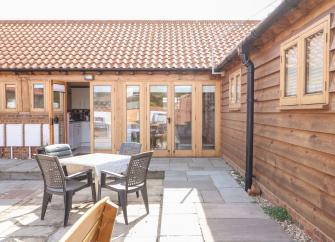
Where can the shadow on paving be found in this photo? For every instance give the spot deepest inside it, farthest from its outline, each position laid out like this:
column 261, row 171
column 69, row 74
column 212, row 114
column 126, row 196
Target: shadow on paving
column 197, row 201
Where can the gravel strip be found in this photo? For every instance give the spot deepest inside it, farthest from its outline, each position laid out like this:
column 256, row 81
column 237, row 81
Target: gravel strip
column 293, row 230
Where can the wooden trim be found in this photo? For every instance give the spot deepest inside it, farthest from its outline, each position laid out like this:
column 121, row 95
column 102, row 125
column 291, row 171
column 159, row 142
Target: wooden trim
column 168, row 151
column 303, row 107
column 233, row 84
column 299, row 39
column 111, row 110
column 17, row 96
column 31, row 96
column 190, row 152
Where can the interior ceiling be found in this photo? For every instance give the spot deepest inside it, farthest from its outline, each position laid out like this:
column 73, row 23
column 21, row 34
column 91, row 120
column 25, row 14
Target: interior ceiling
column 78, row 84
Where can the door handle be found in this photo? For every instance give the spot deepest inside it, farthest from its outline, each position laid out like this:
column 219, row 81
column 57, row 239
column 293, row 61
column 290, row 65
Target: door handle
column 169, row 120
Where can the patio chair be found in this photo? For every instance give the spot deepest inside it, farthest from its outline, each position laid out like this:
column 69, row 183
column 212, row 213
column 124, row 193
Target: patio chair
column 56, row 182
column 95, row 225
column 134, row 180
column 130, row 148
column 59, row 150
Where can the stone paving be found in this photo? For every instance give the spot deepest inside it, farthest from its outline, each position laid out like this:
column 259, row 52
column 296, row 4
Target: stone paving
column 198, row 200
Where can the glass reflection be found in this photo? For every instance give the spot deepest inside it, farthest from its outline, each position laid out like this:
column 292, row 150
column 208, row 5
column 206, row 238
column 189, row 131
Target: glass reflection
column 102, row 130
column 38, row 96
column 102, row 97
column 133, row 114
column 10, row 96
column 158, row 117
column 183, row 117
column 208, row 117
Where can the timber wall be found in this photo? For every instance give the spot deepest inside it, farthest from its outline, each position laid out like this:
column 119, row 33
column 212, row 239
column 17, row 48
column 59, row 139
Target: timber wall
column 294, row 150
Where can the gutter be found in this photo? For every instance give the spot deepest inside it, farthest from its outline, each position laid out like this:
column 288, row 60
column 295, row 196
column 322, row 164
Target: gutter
column 246, row 43
column 243, row 51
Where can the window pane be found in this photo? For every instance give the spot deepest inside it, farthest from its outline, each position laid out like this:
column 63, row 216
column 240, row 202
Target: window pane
column 238, row 88
column 102, row 130
column 291, row 70
column 183, row 117
column 133, row 114
column 102, row 98
column 158, row 117
column 208, row 117
column 57, row 100
column 232, row 90
column 38, row 96
column 314, row 63
column 10, row 96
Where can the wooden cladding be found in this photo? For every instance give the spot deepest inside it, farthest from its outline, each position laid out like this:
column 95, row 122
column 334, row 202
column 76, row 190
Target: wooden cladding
column 304, row 70
column 293, row 149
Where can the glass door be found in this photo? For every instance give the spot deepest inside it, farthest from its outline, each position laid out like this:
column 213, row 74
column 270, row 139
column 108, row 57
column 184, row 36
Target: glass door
column 57, row 112
column 134, row 118
column 208, row 108
column 183, row 120
column 101, row 99
column 159, row 119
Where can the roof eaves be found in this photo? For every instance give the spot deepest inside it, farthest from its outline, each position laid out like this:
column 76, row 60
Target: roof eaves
column 244, row 45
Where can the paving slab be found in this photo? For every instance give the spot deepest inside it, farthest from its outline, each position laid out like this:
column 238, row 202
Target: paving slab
column 235, row 195
column 235, row 210
column 198, row 200
column 242, row 230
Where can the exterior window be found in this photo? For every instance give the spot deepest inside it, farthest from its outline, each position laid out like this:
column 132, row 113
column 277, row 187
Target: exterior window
column 314, row 63
column 208, row 117
column 291, row 71
column 10, row 96
column 133, row 114
column 38, row 96
column 304, row 72
column 235, row 90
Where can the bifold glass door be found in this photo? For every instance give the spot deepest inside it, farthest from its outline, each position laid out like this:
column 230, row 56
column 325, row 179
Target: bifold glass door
column 57, row 112
column 183, row 119
column 159, row 119
column 101, row 117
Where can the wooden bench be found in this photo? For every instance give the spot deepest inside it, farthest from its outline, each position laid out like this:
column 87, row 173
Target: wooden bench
column 95, row 225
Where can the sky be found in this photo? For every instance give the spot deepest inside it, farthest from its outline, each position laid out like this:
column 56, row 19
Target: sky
column 137, row 9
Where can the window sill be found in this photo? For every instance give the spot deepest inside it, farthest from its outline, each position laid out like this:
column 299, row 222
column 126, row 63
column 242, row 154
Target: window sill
column 234, row 109
column 303, row 107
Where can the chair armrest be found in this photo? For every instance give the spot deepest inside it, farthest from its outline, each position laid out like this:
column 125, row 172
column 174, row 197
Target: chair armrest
column 79, row 174
column 113, row 174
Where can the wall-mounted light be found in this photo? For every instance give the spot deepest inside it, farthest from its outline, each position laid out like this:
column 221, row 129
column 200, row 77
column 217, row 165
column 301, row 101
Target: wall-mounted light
column 88, row 77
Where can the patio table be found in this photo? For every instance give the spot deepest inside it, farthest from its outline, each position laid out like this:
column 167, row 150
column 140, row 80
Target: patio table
column 99, row 162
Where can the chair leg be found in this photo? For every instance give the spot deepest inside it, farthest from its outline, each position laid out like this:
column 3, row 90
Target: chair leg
column 145, row 197
column 46, row 198
column 94, row 195
column 123, row 201
column 50, row 197
column 137, row 194
column 68, row 206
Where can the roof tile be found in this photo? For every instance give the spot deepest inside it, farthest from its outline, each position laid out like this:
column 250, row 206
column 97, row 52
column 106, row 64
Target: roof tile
column 118, row 44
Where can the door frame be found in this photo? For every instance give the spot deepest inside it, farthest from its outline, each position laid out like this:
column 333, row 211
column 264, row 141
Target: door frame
column 143, row 116
column 113, row 106
column 193, row 119
column 52, row 111
column 199, row 150
column 168, row 151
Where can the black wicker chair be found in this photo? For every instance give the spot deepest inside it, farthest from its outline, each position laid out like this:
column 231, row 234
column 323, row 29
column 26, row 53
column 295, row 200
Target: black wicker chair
column 130, row 148
column 56, row 182
column 134, row 180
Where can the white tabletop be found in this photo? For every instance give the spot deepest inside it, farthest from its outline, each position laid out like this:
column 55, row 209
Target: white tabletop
column 99, row 161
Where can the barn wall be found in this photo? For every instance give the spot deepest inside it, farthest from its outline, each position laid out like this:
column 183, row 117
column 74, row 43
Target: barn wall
column 294, row 150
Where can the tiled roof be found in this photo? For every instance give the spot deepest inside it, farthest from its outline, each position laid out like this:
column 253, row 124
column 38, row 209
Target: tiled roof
column 95, row 45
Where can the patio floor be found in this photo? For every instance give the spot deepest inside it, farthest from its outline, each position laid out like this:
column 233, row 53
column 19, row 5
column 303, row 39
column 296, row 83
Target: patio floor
column 197, row 201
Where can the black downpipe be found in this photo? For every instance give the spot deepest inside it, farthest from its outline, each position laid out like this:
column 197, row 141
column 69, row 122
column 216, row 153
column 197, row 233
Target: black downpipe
column 250, row 120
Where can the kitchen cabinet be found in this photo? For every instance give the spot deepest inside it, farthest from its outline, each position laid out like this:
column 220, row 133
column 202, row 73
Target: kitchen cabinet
column 80, row 98
column 79, row 134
